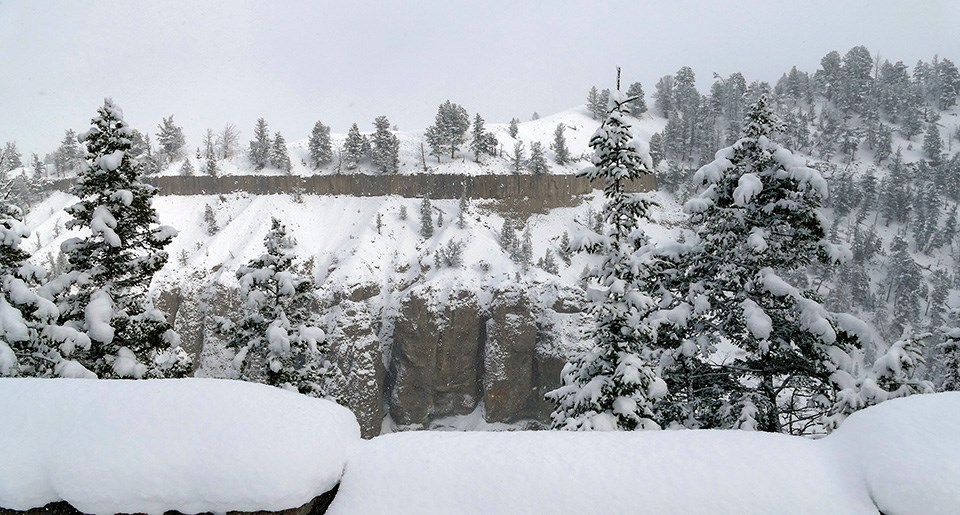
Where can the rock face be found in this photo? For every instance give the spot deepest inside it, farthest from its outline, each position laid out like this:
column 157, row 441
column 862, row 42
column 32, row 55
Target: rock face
column 360, row 357
column 509, row 384
column 433, row 369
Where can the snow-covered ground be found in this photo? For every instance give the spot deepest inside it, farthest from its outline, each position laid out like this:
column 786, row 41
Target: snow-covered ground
column 192, row 445
column 206, row 445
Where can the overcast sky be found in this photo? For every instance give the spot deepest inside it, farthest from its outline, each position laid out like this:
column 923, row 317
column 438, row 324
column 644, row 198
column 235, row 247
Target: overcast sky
column 215, row 62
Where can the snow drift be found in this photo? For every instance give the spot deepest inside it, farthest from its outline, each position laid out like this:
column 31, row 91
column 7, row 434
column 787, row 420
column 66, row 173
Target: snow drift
column 902, row 457
column 191, row 445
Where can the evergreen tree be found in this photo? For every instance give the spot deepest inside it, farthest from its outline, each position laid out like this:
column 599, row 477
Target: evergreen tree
column 105, row 293
column 210, row 155
column 518, row 160
column 260, row 146
column 548, row 263
column 426, row 218
column 464, row 206
column 353, row 148
column 278, row 154
column 277, row 338
column 564, row 249
column 526, row 249
column 10, row 158
column 897, row 194
column 796, row 366
column 950, row 349
column 210, row 219
column 638, row 106
column 614, row 384
column 932, row 144
column 187, row 169
column 537, row 163
column 39, row 169
column 514, row 127
column 449, row 130
column 594, row 104
column 483, row 142
column 385, row 153
column 171, row 141
column 68, row 156
column 559, row 146
column 663, row 96
column 657, row 150
column 321, row 150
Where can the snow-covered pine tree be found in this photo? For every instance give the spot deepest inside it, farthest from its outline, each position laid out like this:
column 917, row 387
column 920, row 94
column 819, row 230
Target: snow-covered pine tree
column 483, row 142
column 67, row 155
column 171, row 141
column 31, row 344
column 514, row 127
column 594, row 105
column 463, row 207
column 614, row 384
column 279, row 158
column 187, row 169
column 526, row 249
column 518, row 161
column 276, row 337
column 260, row 146
column 638, row 106
column 950, row 349
column 210, row 219
column 105, row 292
column 449, row 130
column 538, row 162
column 797, row 365
column 932, row 144
column 321, row 150
column 559, row 146
column 426, row 217
column 353, row 148
column 11, row 158
column 210, row 154
column 386, row 147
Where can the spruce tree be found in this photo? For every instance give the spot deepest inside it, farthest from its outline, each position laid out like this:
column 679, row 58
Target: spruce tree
column 758, row 222
column 171, row 140
column 210, row 219
column 594, row 105
column 276, row 337
column 514, row 127
column 68, row 155
column 559, row 146
column 932, row 144
column 279, row 158
column 105, row 293
column 614, row 384
column 210, row 157
column 638, row 106
column 449, row 130
column 538, row 162
column 518, row 161
column 321, row 150
column 385, row 153
column 353, row 148
column 187, row 169
column 10, row 158
column 483, row 142
column 426, row 217
column 260, row 146
column 464, row 206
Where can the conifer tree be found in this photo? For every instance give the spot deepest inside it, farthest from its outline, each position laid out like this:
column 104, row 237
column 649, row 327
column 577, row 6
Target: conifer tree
column 559, row 146
column 663, row 96
column 279, row 157
column 464, row 206
column 932, row 144
column 68, row 155
column 11, row 157
column 594, row 105
column 538, row 162
column 797, row 362
column 210, row 218
column 426, row 217
column 210, row 156
column 613, row 385
column 526, row 249
column 518, row 160
column 483, row 142
column 276, row 337
column 171, row 141
column 950, row 349
column 105, row 292
column 260, row 146
column 321, row 150
column 638, row 106
column 514, row 127
column 449, row 130
column 385, row 153
column 187, row 169
column 353, row 148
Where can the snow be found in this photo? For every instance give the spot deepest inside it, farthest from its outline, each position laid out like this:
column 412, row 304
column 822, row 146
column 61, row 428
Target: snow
column 662, row 472
column 907, row 451
column 192, row 445
column 748, row 186
column 97, row 314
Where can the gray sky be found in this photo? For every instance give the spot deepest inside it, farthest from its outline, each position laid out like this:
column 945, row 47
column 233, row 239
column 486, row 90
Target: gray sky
column 210, row 62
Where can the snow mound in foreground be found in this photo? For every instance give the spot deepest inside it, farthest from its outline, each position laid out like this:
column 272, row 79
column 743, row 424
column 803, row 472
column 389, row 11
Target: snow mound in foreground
column 907, row 451
column 191, row 445
column 720, row 472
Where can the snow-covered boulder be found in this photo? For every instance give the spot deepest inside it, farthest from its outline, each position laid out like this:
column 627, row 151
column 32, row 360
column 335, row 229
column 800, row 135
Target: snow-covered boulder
column 192, row 445
column 733, row 472
column 907, row 451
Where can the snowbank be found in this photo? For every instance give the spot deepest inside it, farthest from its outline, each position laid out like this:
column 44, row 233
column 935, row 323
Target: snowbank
column 191, row 445
column 907, row 451
column 733, row 472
